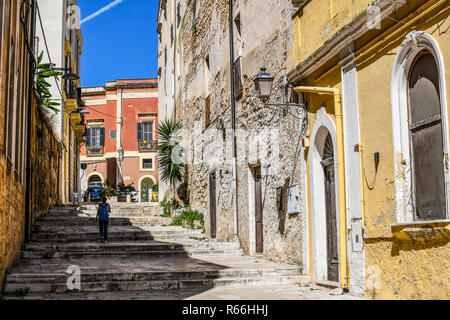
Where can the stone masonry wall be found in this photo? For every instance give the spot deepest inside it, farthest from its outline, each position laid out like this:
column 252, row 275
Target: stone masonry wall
column 46, row 165
column 265, row 40
column 12, row 215
column 45, row 181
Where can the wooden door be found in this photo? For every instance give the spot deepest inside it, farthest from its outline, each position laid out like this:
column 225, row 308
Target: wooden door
column 426, row 139
column 212, row 204
column 258, row 211
column 330, row 203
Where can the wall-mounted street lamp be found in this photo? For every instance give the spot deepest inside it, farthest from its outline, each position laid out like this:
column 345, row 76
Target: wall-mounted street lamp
column 68, row 75
column 80, row 110
column 264, row 83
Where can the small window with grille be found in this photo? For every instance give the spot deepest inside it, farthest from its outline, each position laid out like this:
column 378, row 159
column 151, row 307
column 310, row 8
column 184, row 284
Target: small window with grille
column 147, row 164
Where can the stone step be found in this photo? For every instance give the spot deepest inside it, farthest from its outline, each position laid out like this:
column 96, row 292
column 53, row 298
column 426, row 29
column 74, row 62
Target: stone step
column 113, row 236
column 129, row 253
column 155, row 249
column 134, row 285
column 114, row 221
column 47, row 283
column 68, row 230
column 134, row 246
column 114, row 213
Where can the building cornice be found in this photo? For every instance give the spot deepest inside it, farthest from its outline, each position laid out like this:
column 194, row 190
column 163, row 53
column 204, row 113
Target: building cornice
column 340, row 41
column 120, row 84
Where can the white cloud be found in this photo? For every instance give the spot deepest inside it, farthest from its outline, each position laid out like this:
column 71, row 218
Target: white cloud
column 102, row 10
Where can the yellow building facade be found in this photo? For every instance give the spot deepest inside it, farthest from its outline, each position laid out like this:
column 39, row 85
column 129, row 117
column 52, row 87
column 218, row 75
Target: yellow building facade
column 72, row 128
column 374, row 80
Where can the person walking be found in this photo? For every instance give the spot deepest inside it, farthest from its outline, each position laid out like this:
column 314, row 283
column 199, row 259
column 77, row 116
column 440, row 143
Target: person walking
column 104, row 209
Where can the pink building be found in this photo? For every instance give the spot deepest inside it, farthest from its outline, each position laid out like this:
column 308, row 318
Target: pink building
column 121, row 135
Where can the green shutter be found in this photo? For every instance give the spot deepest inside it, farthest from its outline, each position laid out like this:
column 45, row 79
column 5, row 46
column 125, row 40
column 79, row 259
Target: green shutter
column 88, row 135
column 102, row 137
column 140, row 137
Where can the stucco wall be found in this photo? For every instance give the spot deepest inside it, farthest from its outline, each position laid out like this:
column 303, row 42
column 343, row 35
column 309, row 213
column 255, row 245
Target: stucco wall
column 412, row 262
column 415, row 266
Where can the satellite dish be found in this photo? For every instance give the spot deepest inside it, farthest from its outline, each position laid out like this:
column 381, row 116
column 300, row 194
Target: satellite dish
column 83, row 166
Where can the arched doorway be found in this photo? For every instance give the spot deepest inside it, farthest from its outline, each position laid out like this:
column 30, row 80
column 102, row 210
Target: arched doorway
column 324, row 195
column 327, row 162
column 146, row 188
column 94, row 181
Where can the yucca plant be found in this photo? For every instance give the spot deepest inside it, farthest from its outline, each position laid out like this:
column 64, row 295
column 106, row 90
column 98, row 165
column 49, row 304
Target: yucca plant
column 171, row 170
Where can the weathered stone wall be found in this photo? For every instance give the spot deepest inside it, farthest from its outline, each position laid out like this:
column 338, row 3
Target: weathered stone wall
column 45, row 181
column 265, row 40
column 46, row 153
column 12, row 215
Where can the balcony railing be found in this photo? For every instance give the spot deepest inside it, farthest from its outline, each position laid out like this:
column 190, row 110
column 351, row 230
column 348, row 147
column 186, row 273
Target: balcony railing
column 149, row 146
column 96, row 151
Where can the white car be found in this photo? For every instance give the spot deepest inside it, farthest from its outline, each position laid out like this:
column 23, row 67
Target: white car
column 134, row 195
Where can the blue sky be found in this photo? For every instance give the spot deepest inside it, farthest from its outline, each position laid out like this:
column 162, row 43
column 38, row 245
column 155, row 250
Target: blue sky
column 120, row 43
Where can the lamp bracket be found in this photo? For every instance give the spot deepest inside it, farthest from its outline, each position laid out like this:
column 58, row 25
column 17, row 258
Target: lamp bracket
column 298, row 105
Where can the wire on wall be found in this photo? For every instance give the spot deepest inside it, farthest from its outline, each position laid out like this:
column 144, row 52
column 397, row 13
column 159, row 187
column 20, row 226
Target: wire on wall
column 374, row 182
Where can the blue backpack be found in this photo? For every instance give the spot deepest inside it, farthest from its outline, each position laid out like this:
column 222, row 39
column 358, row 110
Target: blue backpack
column 104, row 212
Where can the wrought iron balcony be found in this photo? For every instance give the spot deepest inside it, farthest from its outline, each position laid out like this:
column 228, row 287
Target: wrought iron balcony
column 148, row 146
column 96, row 151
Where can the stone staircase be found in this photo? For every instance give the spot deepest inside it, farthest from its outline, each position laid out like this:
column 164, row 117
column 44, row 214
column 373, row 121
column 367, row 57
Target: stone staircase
column 142, row 253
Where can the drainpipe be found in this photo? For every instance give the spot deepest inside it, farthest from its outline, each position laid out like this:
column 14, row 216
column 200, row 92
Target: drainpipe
column 29, row 168
column 121, row 151
column 233, row 118
column 363, row 201
column 341, row 176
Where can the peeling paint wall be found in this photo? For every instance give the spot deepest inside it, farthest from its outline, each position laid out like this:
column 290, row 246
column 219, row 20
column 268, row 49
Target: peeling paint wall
column 401, row 262
column 414, row 265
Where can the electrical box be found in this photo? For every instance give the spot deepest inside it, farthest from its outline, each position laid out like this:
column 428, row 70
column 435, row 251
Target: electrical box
column 293, row 196
column 357, row 237
column 280, row 199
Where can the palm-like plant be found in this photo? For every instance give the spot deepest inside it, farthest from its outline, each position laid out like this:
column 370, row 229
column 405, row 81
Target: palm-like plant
column 171, row 168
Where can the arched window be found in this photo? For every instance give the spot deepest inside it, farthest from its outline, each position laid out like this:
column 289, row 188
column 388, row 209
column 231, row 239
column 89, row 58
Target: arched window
column 426, row 139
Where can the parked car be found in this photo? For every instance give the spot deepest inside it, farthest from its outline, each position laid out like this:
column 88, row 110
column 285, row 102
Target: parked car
column 95, row 194
column 133, row 194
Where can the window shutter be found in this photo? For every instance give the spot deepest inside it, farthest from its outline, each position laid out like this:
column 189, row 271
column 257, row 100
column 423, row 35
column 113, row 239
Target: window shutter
column 88, row 135
column 139, row 132
column 151, row 131
column 102, row 137
column 237, row 77
column 427, row 141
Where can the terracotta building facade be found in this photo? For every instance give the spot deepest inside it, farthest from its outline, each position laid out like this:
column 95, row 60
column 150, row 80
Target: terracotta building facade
column 121, row 136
